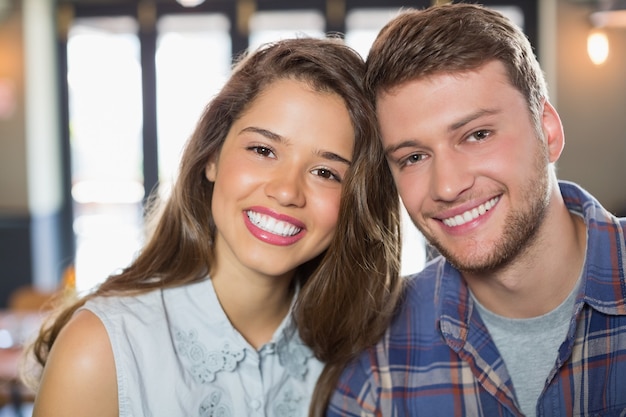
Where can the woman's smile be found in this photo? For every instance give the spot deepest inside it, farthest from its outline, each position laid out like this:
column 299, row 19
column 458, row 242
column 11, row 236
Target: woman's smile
column 278, row 179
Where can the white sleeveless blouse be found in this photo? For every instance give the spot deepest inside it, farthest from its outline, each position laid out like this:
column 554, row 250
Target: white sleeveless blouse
column 177, row 355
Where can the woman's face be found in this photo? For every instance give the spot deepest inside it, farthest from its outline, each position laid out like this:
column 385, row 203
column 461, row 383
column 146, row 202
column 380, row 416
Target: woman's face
column 278, row 179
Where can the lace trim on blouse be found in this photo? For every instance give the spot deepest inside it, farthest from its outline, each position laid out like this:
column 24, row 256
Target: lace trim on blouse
column 206, row 364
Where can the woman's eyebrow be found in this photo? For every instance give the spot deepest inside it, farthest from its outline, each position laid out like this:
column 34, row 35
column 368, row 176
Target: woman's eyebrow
column 264, row 132
column 331, row 156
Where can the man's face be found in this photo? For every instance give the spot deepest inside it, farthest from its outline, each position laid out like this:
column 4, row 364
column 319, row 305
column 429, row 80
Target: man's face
column 468, row 164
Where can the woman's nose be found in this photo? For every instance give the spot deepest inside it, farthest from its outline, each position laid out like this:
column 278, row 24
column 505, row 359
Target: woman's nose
column 286, row 188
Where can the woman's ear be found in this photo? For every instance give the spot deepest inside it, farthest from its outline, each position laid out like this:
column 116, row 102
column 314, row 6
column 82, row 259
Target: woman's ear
column 210, row 171
column 553, row 131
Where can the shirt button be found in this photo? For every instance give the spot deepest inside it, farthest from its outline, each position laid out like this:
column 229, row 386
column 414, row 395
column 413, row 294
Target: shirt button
column 255, row 404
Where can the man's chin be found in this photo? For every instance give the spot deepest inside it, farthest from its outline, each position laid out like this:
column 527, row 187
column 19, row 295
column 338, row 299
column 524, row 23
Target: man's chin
column 474, row 262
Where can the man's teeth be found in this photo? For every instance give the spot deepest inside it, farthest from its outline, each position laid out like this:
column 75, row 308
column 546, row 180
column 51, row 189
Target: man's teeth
column 270, row 224
column 470, row 215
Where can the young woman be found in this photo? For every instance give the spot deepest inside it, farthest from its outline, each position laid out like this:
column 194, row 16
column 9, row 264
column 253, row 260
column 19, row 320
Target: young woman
column 272, row 208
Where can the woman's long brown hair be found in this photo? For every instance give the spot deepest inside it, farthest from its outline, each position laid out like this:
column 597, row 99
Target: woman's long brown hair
column 348, row 303
column 349, row 290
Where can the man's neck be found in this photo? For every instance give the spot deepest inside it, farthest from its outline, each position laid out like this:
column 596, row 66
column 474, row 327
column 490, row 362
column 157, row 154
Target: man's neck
column 541, row 277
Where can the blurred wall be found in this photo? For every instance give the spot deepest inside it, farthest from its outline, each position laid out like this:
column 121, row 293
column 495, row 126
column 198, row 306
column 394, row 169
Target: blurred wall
column 13, row 179
column 592, row 103
column 15, row 239
column 30, row 157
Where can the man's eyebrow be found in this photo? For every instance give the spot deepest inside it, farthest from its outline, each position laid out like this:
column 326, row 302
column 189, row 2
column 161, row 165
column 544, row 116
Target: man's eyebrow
column 397, row 146
column 470, row 117
column 331, row 156
column 411, row 143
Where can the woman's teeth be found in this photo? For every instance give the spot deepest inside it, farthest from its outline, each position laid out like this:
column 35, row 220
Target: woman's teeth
column 272, row 225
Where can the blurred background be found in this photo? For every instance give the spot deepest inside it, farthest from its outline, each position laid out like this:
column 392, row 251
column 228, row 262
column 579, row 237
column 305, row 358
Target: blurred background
column 97, row 97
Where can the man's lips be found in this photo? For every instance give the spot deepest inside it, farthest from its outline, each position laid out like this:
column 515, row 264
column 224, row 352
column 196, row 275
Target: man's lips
column 472, row 214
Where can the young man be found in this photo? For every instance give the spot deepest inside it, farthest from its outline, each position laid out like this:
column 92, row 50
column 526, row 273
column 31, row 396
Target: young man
column 524, row 314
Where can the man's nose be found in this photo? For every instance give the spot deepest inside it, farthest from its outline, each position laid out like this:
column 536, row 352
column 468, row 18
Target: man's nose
column 450, row 177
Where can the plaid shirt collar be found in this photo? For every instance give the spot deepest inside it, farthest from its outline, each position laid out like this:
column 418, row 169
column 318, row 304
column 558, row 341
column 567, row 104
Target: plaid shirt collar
column 599, row 287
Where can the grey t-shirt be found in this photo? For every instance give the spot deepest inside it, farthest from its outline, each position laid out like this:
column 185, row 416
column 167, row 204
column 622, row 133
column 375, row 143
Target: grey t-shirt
column 529, row 347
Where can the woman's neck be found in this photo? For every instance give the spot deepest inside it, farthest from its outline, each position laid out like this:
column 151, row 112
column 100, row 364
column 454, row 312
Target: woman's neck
column 255, row 306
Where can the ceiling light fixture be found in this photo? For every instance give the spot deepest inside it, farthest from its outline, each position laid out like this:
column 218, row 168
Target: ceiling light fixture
column 190, row 3
column 609, row 13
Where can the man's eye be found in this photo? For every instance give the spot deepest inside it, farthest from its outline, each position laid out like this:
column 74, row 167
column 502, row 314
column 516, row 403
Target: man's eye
column 480, row 135
column 412, row 159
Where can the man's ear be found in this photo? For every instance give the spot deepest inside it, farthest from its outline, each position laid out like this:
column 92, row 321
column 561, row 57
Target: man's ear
column 553, row 131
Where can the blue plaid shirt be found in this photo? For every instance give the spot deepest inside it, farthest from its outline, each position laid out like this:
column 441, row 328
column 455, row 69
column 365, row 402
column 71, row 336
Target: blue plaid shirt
column 437, row 358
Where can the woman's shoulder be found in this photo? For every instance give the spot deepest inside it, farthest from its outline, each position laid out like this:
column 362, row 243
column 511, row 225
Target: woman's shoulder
column 152, row 315
column 80, row 371
column 85, row 341
column 120, row 307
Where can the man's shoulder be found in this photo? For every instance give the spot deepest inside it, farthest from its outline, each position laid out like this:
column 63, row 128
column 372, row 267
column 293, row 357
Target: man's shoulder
column 418, row 310
column 424, row 282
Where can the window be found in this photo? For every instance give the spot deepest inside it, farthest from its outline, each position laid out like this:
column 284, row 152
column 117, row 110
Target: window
column 193, row 60
column 267, row 26
column 104, row 79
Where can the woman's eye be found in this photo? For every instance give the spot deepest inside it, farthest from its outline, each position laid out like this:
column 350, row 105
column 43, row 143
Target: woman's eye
column 262, row 150
column 326, row 173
